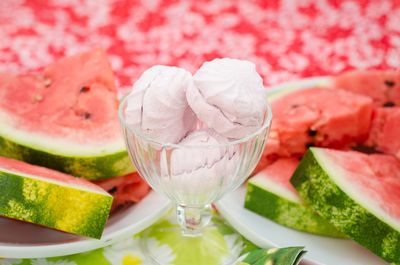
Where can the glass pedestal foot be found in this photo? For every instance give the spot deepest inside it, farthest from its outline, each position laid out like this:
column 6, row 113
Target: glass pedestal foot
column 164, row 243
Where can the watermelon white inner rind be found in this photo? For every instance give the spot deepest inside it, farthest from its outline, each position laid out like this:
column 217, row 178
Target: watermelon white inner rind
column 357, row 193
column 279, row 190
column 289, row 87
column 57, row 145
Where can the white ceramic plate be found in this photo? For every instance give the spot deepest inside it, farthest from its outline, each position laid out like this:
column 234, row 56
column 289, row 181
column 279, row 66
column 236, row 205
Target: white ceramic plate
column 265, row 233
column 23, row 240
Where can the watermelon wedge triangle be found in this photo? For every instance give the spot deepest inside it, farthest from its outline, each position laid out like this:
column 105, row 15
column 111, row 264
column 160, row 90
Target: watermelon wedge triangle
column 270, row 194
column 49, row 198
column 65, row 117
column 358, row 194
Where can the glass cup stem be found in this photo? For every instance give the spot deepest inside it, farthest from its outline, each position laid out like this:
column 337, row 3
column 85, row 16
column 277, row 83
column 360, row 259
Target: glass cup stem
column 193, row 219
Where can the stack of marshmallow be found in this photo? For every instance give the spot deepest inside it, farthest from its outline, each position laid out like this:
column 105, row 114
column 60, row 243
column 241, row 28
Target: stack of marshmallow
column 225, row 95
column 223, row 101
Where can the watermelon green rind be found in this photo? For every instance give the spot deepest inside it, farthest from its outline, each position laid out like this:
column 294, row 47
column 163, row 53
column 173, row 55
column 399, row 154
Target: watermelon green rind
column 286, row 211
column 316, row 182
column 92, row 167
column 49, row 203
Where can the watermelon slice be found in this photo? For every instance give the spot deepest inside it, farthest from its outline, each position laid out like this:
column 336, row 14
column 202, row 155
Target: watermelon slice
column 52, row 199
column 382, row 86
column 316, row 117
column 65, row 118
column 385, row 131
column 126, row 189
column 270, row 194
column 357, row 193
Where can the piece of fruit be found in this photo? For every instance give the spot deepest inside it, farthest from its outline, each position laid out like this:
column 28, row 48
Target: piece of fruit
column 65, row 117
column 385, row 131
column 52, row 199
column 357, row 193
column 382, row 86
column 270, row 194
column 316, row 117
column 126, row 189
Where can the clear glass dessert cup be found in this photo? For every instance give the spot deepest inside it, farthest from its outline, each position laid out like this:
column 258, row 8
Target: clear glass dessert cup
column 222, row 168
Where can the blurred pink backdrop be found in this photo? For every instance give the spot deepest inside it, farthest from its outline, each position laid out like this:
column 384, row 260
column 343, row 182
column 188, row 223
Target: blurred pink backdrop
column 286, row 39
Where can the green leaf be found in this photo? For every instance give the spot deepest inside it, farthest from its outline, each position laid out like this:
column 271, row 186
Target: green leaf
column 274, row 256
column 254, row 256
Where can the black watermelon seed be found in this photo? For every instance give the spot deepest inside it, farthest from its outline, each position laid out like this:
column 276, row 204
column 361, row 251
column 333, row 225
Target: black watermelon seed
column 389, row 83
column 312, row 132
column 389, row 104
column 295, row 106
column 113, row 190
column 84, row 89
column 308, row 145
column 365, row 149
column 86, row 115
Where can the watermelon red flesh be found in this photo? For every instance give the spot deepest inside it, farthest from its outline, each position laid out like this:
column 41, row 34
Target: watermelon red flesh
column 385, row 131
column 126, row 189
column 317, row 117
column 281, row 171
column 382, row 86
column 65, row 101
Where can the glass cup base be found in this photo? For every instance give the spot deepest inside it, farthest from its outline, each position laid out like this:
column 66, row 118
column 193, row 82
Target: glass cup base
column 164, row 243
